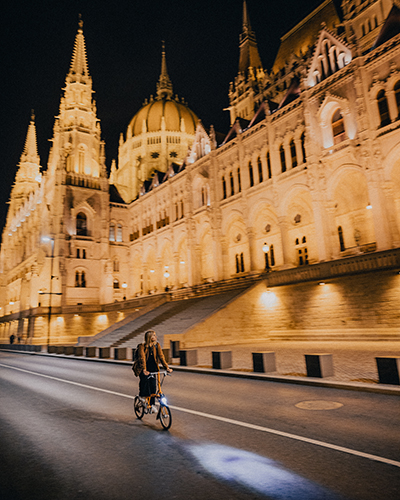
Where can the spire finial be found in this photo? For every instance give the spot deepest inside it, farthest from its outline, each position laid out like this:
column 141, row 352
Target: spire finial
column 79, row 68
column 164, row 85
column 246, row 19
column 30, row 152
column 249, row 56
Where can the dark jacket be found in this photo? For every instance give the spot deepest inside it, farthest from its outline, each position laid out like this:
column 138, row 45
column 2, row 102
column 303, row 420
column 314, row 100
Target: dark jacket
column 143, row 354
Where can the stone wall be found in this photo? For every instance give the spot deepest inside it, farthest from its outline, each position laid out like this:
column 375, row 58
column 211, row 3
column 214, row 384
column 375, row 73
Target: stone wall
column 346, row 308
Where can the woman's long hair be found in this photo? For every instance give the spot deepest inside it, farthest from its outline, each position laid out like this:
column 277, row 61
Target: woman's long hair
column 147, row 337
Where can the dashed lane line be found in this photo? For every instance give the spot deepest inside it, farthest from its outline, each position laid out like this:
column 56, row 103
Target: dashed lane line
column 231, row 421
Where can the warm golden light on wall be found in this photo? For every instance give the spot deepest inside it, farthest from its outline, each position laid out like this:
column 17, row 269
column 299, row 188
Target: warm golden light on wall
column 269, row 299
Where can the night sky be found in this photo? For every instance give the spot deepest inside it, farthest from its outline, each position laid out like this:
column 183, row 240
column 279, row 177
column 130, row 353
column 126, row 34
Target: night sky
column 123, row 43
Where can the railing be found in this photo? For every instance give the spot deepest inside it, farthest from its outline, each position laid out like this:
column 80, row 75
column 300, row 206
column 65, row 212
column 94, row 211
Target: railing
column 389, row 259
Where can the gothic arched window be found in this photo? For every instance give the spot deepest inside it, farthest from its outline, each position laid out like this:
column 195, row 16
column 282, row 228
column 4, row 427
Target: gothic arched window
column 119, row 232
column 260, row 170
column 341, row 239
column 293, row 153
column 111, row 236
column 397, row 96
column 80, row 279
column 81, row 224
column 383, row 108
column 338, row 131
column 282, row 157
column 272, row 255
column 203, row 196
column 251, row 174
column 223, row 188
column 269, row 165
column 303, row 146
column 239, row 180
column 231, row 183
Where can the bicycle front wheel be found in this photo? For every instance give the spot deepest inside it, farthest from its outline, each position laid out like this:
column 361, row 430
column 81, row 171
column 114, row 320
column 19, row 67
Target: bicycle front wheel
column 165, row 417
column 138, row 407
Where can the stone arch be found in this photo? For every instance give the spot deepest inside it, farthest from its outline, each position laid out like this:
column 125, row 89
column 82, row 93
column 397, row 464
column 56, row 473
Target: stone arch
column 326, row 113
column 237, row 244
column 207, row 258
column 348, row 192
column 265, row 228
column 88, row 212
column 297, row 207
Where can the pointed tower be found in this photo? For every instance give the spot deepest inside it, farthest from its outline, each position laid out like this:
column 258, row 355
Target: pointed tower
column 77, row 146
column 29, row 166
column 28, row 177
column 245, row 93
column 77, row 187
column 164, row 85
column 22, row 228
column 249, row 59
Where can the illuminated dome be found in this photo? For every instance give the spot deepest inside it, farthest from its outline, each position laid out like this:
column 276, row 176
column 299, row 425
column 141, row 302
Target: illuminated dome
column 159, row 135
column 177, row 117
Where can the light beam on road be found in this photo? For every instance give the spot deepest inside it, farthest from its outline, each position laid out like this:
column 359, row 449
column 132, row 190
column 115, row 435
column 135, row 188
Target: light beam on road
column 257, row 473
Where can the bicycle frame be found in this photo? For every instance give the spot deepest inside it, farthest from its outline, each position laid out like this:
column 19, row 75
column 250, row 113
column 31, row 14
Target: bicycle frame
column 159, row 394
column 142, row 404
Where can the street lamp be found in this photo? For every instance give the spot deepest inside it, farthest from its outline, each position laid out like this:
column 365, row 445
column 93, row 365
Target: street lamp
column 48, row 239
column 166, row 276
column 265, row 249
column 124, row 286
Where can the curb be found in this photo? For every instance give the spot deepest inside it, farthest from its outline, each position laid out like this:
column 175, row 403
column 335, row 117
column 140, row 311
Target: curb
column 310, row 381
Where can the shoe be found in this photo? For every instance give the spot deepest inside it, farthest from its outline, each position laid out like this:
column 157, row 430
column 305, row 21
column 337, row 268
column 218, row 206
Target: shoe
column 154, row 409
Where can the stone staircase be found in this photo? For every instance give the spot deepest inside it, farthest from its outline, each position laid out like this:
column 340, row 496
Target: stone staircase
column 171, row 317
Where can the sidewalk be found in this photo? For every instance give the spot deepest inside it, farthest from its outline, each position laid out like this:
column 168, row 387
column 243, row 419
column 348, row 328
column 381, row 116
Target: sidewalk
column 352, row 361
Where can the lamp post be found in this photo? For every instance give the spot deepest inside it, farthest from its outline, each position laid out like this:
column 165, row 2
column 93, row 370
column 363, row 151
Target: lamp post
column 166, row 276
column 124, row 286
column 47, row 239
column 265, row 249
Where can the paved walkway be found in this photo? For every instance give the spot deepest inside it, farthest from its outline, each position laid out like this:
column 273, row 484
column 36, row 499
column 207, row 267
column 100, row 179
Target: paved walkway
column 352, row 361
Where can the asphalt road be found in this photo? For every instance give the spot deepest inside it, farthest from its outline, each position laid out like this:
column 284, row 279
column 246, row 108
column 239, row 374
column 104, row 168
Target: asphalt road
column 68, row 431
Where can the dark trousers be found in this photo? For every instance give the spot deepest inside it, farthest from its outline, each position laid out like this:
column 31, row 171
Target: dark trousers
column 147, row 386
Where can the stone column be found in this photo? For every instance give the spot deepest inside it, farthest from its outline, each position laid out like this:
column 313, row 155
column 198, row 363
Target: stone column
column 380, row 218
column 390, row 206
column 252, row 249
column 391, row 99
column 324, row 227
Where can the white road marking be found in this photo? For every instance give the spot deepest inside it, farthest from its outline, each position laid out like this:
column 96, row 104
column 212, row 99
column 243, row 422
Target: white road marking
column 349, row 451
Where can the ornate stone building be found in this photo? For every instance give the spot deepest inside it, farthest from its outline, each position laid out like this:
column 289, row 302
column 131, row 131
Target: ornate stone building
column 309, row 172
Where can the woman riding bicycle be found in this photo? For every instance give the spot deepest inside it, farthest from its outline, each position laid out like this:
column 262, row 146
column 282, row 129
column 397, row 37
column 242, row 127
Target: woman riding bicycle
column 150, row 355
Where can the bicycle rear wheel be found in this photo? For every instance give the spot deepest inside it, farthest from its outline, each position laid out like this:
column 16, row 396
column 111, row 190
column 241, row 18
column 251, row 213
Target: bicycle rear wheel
column 138, row 407
column 165, row 417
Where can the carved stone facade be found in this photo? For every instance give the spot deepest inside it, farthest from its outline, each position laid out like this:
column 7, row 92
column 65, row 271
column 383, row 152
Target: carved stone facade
column 309, row 172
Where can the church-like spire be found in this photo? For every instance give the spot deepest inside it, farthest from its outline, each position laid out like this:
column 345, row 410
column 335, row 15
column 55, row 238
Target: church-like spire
column 164, row 85
column 246, row 20
column 30, row 152
column 78, row 71
column 249, row 56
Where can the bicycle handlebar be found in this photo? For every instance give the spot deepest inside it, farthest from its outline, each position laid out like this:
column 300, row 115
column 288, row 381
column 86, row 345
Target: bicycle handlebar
column 153, row 374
